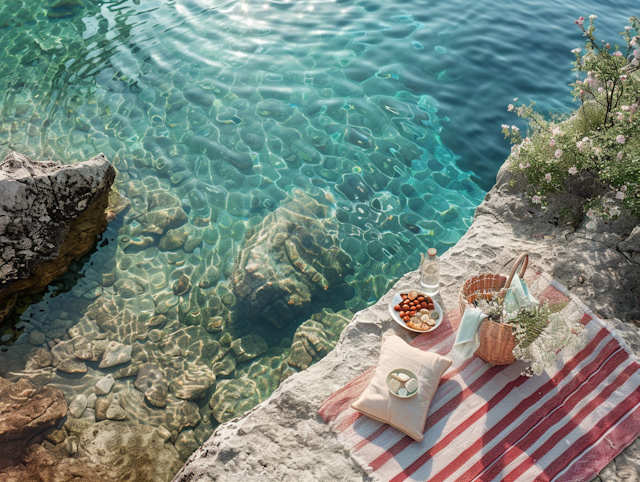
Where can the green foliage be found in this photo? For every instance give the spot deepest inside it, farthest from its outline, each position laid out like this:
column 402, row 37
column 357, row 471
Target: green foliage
column 530, row 322
column 602, row 137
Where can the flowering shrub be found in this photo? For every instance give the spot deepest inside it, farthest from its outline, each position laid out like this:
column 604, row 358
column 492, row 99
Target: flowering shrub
column 602, row 137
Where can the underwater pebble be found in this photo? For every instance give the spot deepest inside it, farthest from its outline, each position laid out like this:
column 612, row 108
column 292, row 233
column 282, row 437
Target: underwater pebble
column 116, row 354
column 36, row 338
column 165, row 435
column 91, row 400
column 78, row 406
column 104, row 385
column 115, row 411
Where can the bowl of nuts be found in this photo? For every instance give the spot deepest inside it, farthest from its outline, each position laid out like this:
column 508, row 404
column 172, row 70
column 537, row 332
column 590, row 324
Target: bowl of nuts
column 415, row 311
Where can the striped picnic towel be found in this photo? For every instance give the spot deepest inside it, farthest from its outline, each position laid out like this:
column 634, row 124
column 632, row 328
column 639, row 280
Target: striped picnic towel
column 490, row 423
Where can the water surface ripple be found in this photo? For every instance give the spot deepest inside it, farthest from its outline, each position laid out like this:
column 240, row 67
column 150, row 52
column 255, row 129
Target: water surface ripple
column 376, row 123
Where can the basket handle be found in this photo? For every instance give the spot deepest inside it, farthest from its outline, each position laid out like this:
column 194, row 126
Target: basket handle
column 522, row 259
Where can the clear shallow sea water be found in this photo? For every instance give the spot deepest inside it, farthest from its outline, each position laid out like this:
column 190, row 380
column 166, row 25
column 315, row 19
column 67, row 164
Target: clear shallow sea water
column 386, row 113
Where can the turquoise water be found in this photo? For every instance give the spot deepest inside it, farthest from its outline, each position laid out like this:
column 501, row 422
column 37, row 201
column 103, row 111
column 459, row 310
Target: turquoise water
column 375, row 123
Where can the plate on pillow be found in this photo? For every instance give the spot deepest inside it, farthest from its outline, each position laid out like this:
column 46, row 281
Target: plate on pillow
column 397, row 299
column 402, row 389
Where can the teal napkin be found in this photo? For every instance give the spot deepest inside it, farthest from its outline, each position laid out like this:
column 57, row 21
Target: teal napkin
column 518, row 296
column 467, row 337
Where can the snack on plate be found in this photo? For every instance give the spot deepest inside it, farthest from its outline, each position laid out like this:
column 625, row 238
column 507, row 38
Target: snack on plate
column 417, row 311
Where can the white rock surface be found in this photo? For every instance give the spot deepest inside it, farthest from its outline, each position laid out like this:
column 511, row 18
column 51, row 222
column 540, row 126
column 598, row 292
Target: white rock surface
column 285, row 439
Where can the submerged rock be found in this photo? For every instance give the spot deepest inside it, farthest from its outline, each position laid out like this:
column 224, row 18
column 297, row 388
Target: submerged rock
column 287, row 259
column 248, row 347
column 50, row 214
column 316, row 337
column 151, row 381
column 25, row 412
column 233, row 398
column 104, row 452
column 116, row 354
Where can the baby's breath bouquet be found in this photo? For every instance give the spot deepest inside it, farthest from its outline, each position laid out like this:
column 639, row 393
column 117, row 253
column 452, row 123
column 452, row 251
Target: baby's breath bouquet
column 542, row 336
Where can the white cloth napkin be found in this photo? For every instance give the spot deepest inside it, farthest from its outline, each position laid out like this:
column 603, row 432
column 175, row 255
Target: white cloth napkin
column 467, row 337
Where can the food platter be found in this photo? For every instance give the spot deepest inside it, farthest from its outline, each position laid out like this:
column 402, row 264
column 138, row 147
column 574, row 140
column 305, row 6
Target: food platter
column 397, row 300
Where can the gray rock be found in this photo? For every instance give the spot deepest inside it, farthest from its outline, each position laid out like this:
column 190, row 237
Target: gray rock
column 115, row 411
column 50, row 213
column 152, row 382
column 78, row 406
column 72, row 366
column 36, row 338
column 91, row 400
column 38, row 358
column 104, row 385
column 116, row 354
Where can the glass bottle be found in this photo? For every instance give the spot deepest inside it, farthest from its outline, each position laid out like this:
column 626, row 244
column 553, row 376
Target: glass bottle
column 430, row 272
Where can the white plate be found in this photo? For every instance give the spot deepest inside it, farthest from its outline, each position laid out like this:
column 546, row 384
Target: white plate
column 394, row 314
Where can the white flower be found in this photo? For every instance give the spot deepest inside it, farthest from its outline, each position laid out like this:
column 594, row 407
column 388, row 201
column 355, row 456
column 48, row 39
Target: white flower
column 515, row 128
column 576, row 51
column 625, row 107
column 536, row 199
column 510, row 107
column 623, row 188
column 590, row 213
column 552, row 142
column 505, row 126
column 620, row 195
column 621, row 139
column 547, row 176
column 579, row 145
column 593, row 17
column 573, row 170
column 620, row 154
column 558, row 153
column 623, row 78
column 615, row 211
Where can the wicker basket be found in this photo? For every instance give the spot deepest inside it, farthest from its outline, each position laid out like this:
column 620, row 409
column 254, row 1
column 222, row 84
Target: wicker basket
column 497, row 340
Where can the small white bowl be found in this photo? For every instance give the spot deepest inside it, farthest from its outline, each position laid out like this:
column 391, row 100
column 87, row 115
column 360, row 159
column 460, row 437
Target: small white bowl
column 410, row 374
column 396, row 300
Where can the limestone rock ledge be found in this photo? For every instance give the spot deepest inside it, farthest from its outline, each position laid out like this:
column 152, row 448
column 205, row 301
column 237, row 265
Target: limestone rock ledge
column 50, row 213
column 285, row 439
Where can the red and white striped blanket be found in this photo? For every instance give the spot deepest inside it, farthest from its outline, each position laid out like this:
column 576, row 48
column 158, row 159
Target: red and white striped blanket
column 492, row 424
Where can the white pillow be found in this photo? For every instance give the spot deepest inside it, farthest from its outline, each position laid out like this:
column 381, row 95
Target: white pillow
column 406, row 414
